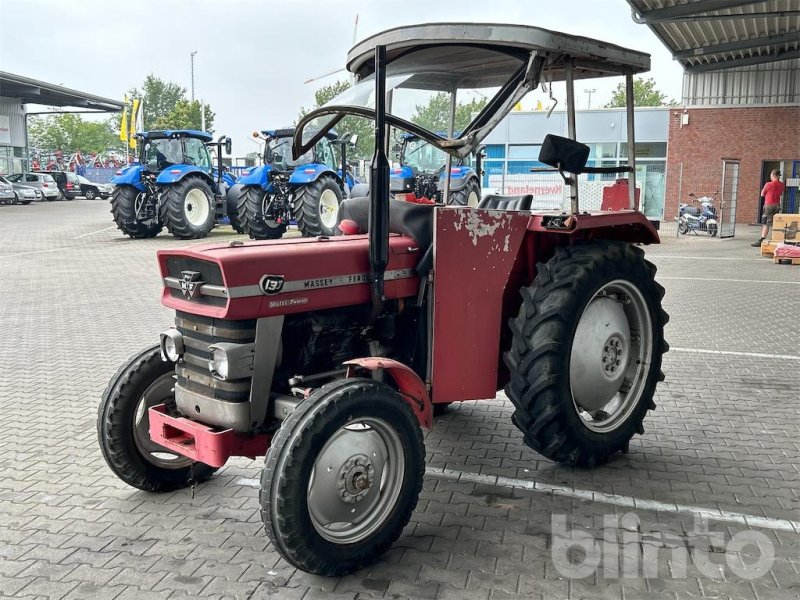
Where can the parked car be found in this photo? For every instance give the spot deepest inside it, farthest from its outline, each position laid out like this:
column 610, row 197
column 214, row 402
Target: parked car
column 91, row 190
column 67, row 182
column 41, row 181
column 23, row 194
column 7, row 195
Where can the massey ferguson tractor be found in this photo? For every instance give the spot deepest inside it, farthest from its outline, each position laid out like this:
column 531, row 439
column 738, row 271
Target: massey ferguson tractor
column 420, row 173
column 327, row 355
column 306, row 190
column 174, row 185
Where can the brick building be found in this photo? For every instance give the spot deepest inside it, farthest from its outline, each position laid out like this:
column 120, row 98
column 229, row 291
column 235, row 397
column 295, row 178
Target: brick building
column 740, row 111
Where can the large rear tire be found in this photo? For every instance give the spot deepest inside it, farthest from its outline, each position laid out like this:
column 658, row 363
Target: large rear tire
column 123, row 427
column 586, row 352
column 231, row 201
column 469, row 195
column 342, row 477
column 250, row 211
column 316, row 207
column 123, row 209
column 187, row 208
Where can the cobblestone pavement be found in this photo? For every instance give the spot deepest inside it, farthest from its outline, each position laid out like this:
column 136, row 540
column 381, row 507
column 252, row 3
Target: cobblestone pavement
column 494, row 519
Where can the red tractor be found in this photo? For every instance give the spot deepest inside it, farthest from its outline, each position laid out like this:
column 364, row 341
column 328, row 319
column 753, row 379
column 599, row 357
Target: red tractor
column 329, row 354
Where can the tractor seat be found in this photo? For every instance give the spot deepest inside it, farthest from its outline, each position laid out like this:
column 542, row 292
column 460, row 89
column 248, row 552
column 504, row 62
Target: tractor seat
column 497, row 202
column 413, row 220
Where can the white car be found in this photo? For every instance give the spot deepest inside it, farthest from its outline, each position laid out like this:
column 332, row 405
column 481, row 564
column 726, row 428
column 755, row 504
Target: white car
column 41, row 181
column 20, row 194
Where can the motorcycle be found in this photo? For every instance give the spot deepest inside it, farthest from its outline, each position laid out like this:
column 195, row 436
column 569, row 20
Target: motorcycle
column 698, row 219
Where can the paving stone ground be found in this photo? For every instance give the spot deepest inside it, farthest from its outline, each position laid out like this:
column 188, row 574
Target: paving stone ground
column 495, row 520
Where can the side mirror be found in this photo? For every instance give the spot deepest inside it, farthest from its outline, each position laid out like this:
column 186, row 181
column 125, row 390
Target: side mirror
column 228, row 145
column 353, row 140
column 564, row 153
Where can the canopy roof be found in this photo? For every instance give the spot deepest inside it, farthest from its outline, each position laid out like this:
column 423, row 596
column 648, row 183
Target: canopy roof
column 712, row 35
column 176, row 133
column 34, row 91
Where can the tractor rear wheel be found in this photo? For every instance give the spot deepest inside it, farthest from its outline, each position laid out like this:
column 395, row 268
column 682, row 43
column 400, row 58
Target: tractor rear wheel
column 342, row 477
column 231, row 201
column 123, row 427
column 187, row 208
column 250, row 210
column 316, row 207
column 586, row 352
column 124, row 207
column 469, row 195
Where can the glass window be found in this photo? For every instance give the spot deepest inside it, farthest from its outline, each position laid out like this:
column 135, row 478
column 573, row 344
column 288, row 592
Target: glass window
column 645, row 149
column 196, row 153
column 495, row 151
column 31, row 178
column 422, row 156
column 530, row 152
column 325, row 153
column 160, row 153
column 15, row 178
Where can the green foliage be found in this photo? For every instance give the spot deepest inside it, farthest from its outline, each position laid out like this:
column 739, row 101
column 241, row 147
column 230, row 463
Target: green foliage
column 644, row 94
column 185, row 115
column 165, row 106
column 71, row 133
column 435, row 115
column 364, row 128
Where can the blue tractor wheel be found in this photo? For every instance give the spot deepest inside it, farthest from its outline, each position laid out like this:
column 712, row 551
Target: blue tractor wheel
column 316, row 207
column 187, row 208
column 469, row 195
column 127, row 208
column 250, row 210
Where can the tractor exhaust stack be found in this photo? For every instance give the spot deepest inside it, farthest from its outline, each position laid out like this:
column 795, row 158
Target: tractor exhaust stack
column 379, row 186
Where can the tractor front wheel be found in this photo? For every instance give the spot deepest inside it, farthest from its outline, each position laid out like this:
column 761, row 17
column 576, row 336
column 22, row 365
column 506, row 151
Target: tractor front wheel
column 123, row 425
column 342, row 477
column 125, row 204
column 469, row 195
column 586, row 352
column 316, row 207
column 187, row 208
column 250, row 208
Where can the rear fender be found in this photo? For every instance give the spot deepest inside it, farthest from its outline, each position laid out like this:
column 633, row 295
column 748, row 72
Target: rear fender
column 459, row 178
column 131, row 175
column 312, row 172
column 256, row 176
column 175, row 173
column 410, row 386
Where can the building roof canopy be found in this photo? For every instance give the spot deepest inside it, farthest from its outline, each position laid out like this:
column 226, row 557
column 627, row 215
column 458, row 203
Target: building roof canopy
column 33, row 91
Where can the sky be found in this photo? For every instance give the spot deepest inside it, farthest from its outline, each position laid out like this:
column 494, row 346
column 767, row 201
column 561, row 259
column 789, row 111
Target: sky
column 254, row 56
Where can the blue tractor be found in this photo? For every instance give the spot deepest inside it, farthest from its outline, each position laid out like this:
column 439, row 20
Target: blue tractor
column 420, row 172
column 307, row 190
column 174, row 185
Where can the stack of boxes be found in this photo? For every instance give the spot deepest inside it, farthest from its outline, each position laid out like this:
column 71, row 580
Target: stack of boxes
column 785, row 231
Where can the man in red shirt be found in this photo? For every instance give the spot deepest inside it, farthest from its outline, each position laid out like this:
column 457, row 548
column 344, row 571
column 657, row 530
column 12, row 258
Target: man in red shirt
column 772, row 192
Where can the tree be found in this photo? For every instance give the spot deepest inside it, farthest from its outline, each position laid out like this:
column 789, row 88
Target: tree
column 644, row 94
column 186, row 114
column 350, row 125
column 71, row 133
column 435, row 115
column 165, row 106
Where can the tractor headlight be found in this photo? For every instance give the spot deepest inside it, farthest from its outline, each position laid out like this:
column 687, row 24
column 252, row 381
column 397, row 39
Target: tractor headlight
column 218, row 365
column 172, row 345
column 231, row 361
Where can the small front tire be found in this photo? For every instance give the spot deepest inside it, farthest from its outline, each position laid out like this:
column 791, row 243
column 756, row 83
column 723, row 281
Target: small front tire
column 342, row 477
column 123, row 427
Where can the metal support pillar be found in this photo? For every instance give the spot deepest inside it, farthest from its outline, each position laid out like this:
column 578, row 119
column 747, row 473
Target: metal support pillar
column 631, row 141
column 569, row 79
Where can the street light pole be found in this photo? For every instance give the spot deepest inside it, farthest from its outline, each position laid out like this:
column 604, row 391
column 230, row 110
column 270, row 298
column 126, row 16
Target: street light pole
column 589, row 91
column 192, row 55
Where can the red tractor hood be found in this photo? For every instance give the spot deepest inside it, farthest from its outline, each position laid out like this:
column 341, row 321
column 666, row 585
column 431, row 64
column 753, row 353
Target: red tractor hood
column 250, row 280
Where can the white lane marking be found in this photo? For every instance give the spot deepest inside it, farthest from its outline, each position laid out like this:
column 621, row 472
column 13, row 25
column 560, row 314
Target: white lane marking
column 32, row 252
column 712, row 514
column 731, row 353
column 658, row 277
column 694, row 258
column 93, row 232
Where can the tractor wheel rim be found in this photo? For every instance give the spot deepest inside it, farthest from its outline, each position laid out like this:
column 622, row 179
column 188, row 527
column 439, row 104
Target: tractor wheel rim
column 328, row 208
column 473, row 199
column 158, row 392
column 611, row 356
column 196, row 207
column 356, row 481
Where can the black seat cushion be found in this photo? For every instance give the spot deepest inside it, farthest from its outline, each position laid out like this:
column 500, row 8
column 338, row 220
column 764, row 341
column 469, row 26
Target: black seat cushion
column 497, row 202
column 413, row 220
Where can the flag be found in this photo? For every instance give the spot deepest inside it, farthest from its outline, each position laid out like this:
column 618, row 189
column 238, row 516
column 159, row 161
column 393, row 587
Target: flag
column 538, row 105
column 518, row 106
column 134, row 118
column 123, row 128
